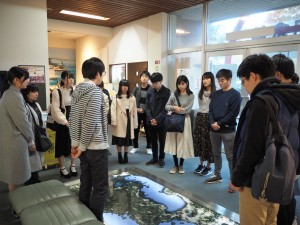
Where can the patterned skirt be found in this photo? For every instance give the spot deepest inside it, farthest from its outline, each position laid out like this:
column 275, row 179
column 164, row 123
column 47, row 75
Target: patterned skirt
column 202, row 143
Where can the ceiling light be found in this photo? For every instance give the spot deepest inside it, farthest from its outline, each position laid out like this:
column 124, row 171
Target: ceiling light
column 180, row 31
column 84, row 15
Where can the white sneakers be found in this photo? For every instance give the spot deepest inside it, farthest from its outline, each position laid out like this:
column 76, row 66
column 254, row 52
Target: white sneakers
column 149, row 151
column 134, row 150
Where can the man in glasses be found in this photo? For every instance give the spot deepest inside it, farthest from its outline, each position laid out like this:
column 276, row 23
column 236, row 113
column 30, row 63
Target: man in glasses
column 257, row 75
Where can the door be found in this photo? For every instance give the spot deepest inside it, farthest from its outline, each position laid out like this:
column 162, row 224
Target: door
column 134, row 71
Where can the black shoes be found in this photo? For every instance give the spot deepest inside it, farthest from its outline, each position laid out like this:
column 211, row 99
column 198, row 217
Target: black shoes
column 73, row 171
column 161, row 162
column 125, row 157
column 122, row 160
column 152, row 162
column 64, row 175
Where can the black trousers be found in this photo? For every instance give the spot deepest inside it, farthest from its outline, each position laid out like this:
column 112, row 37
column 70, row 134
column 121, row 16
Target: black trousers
column 142, row 117
column 160, row 134
column 286, row 213
column 94, row 180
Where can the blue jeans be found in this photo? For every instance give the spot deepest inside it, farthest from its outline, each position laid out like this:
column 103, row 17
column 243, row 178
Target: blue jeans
column 216, row 142
column 94, row 180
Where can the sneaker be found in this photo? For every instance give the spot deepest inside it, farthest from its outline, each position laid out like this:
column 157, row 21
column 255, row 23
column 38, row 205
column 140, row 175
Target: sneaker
column 161, row 162
column 214, row 179
column 199, row 169
column 174, row 170
column 134, row 150
column 181, row 170
column 149, row 151
column 206, row 171
column 152, row 161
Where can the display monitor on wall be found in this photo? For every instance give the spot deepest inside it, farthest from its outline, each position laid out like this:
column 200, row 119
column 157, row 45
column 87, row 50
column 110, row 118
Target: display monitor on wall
column 2, row 78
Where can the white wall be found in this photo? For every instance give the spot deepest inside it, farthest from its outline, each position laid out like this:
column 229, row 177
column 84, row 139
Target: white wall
column 91, row 46
column 24, row 40
column 141, row 40
column 61, row 43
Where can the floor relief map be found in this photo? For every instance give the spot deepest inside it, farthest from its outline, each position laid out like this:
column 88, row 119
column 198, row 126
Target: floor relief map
column 137, row 200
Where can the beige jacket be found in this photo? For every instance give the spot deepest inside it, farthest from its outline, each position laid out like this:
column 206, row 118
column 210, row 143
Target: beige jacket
column 119, row 117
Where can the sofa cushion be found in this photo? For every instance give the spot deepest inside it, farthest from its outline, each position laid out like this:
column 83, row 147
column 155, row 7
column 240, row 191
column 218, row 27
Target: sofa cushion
column 61, row 211
column 31, row 195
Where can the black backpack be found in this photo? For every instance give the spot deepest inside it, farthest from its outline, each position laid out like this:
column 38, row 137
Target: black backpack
column 274, row 177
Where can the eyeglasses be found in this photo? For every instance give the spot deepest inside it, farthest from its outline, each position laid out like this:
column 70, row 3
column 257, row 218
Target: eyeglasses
column 243, row 81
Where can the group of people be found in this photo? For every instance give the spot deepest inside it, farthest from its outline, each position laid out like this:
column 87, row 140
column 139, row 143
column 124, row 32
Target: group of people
column 82, row 116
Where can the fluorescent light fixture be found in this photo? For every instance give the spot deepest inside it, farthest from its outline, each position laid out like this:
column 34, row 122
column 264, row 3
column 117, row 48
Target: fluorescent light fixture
column 83, row 15
column 180, row 31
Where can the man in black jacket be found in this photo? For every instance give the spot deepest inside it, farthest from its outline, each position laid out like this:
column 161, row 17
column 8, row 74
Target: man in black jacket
column 257, row 75
column 156, row 101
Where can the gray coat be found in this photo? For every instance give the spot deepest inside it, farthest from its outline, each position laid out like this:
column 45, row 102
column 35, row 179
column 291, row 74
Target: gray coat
column 16, row 136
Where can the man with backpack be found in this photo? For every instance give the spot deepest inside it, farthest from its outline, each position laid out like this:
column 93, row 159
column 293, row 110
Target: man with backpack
column 257, row 76
column 285, row 72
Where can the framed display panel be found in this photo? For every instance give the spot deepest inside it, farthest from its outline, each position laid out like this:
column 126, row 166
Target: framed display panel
column 37, row 76
column 117, row 72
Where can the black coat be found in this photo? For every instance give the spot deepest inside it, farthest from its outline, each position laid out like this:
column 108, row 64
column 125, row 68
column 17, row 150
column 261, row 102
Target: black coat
column 155, row 105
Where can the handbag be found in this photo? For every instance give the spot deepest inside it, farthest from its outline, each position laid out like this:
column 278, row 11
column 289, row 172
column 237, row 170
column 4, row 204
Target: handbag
column 174, row 121
column 42, row 142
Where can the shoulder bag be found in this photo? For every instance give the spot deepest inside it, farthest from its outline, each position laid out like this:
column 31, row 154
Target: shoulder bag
column 174, row 121
column 42, row 142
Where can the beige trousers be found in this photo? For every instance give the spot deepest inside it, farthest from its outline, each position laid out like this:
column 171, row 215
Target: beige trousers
column 256, row 212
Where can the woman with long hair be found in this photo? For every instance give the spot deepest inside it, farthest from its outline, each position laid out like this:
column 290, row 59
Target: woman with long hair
column 123, row 120
column 16, row 139
column 202, row 143
column 180, row 145
column 60, row 110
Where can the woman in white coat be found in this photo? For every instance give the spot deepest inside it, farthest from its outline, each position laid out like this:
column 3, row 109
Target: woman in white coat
column 16, row 138
column 36, row 158
column 123, row 120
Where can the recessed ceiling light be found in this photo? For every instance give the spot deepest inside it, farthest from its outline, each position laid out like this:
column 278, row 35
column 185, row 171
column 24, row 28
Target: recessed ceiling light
column 84, row 15
column 180, row 31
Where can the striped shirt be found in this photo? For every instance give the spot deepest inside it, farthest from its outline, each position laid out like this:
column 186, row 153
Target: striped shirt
column 88, row 119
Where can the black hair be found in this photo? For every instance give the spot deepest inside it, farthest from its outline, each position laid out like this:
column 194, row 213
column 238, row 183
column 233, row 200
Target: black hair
column 183, row 78
column 14, row 72
column 145, row 72
column 207, row 75
column 63, row 75
column 30, row 88
column 123, row 83
column 101, row 85
column 259, row 64
column 224, row 73
column 295, row 78
column 156, row 77
column 284, row 65
column 91, row 67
